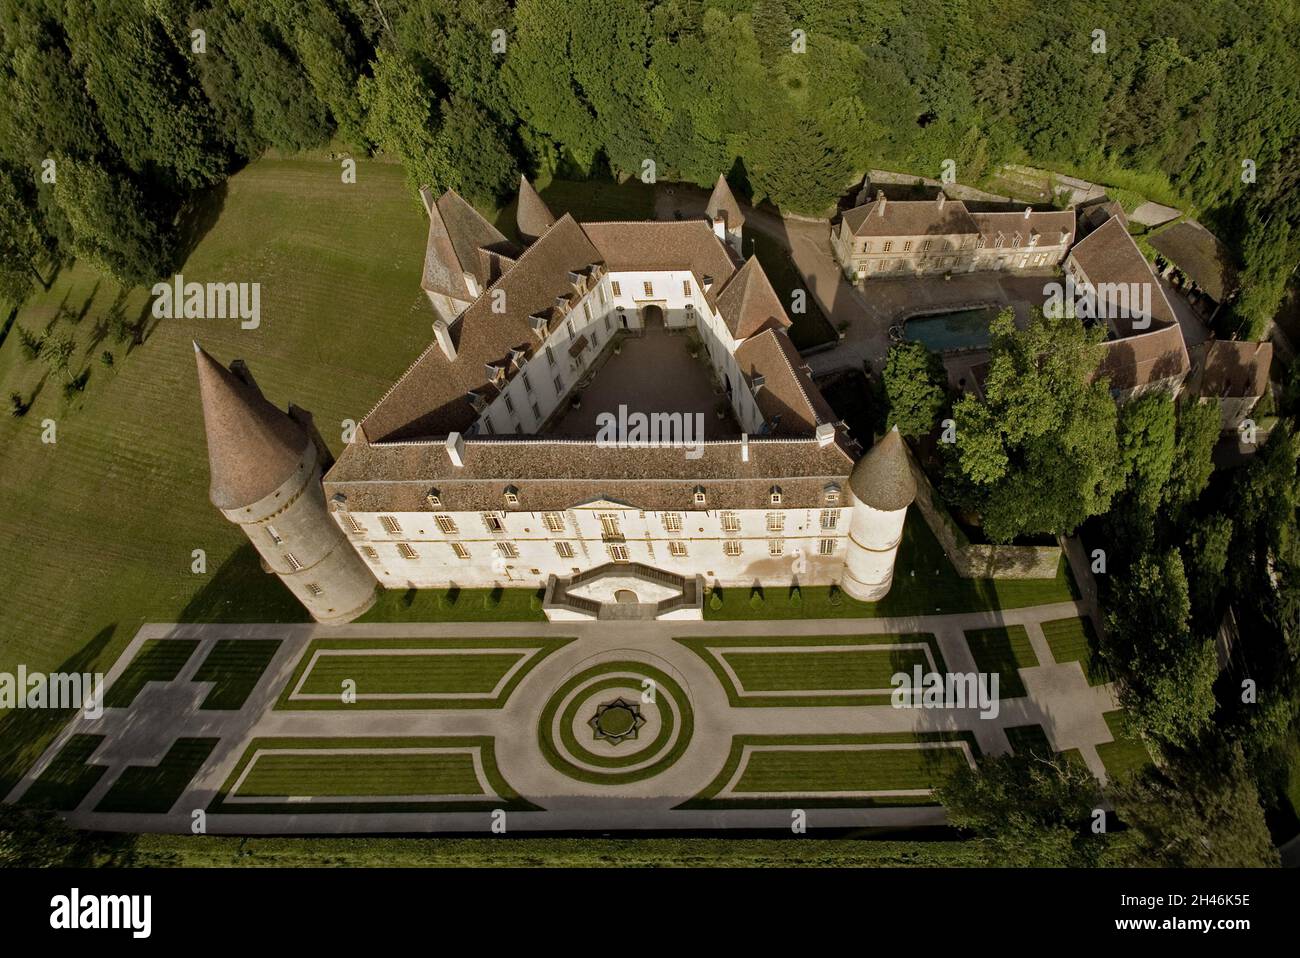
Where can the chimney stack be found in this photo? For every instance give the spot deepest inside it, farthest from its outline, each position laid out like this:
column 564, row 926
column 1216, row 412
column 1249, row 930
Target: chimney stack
column 456, row 450
column 880, row 202
column 1028, row 210
column 744, row 447
column 940, row 200
column 825, row 434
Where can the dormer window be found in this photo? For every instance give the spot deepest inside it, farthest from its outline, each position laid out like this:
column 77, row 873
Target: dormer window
column 774, row 495
column 476, row 400
column 699, row 496
column 512, row 496
column 433, row 498
column 756, row 383
column 979, row 242
column 832, row 494
column 997, row 244
column 539, row 325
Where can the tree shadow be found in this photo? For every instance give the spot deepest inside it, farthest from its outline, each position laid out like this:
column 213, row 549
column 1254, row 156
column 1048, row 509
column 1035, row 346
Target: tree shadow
column 197, row 217
column 24, row 733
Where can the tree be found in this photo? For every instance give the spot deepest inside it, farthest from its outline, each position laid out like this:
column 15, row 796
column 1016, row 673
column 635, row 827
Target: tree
column 1198, row 431
column 477, row 148
column 401, row 118
column 1167, row 672
column 915, row 388
column 58, row 354
column 1038, row 453
column 1201, row 810
column 1147, row 446
column 1027, row 810
column 113, row 225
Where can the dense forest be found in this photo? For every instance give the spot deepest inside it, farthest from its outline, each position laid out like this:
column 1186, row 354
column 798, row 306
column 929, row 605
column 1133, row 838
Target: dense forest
column 116, row 114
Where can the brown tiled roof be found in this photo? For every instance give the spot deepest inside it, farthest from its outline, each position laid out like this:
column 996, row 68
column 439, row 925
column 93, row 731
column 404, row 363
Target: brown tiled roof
column 910, row 218
column 1226, row 367
column 253, row 447
column 1109, row 255
column 532, row 216
column 470, row 232
column 1146, row 358
column 557, row 474
column 723, row 201
column 659, row 246
column 1048, row 225
column 1196, row 251
column 789, row 400
column 748, row 303
column 432, row 397
column 883, row 477
column 462, row 241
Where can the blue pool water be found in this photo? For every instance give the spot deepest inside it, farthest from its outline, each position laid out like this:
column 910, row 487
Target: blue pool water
column 963, row 329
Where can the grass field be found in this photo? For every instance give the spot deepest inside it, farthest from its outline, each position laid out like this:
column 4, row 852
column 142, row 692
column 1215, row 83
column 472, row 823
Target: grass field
column 925, row 583
column 382, row 776
column 381, row 773
column 811, row 768
column 1124, row 755
column 1003, row 650
column 1072, row 640
column 170, row 851
column 110, row 514
column 799, row 670
column 158, row 660
column 155, row 788
column 67, row 780
column 235, row 666
column 384, row 668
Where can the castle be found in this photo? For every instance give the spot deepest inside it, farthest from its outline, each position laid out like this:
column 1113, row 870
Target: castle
column 481, row 466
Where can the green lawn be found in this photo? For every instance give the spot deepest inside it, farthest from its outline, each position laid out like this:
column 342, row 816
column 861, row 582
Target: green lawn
column 811, row 327
column 155, row 788
column 124, row 489
column 158, row 660
column 1003, row 650
column 235, row 666
column 67, row 780
column 214, row 851
column 383, row 776
column 1029, row 738
column 849, row 670
column 925, row 583
column 457, row 605
column 381, row 773
column 1072, row 640
column 1124, row 755
column 384, row 668
column 832, row 763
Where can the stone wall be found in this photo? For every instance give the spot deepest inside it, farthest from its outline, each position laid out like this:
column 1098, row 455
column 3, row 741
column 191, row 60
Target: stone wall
column 974, row 560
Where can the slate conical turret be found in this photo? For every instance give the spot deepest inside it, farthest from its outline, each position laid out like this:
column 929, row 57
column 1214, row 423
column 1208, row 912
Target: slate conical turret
column 266, row 478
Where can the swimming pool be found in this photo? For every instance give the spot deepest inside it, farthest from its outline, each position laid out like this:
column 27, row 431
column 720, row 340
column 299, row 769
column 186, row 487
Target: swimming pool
column 962, row 329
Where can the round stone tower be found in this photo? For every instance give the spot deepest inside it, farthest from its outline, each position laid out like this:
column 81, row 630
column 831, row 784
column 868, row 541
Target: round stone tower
column 266, row 478
column 883, row 487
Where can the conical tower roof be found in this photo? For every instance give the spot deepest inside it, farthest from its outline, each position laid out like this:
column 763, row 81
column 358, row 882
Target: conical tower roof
column 883, row 477
column 252, row 446
column 722, row 200
column 533, row 216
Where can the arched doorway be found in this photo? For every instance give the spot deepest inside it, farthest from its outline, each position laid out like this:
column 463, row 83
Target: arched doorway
column 652, row 315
